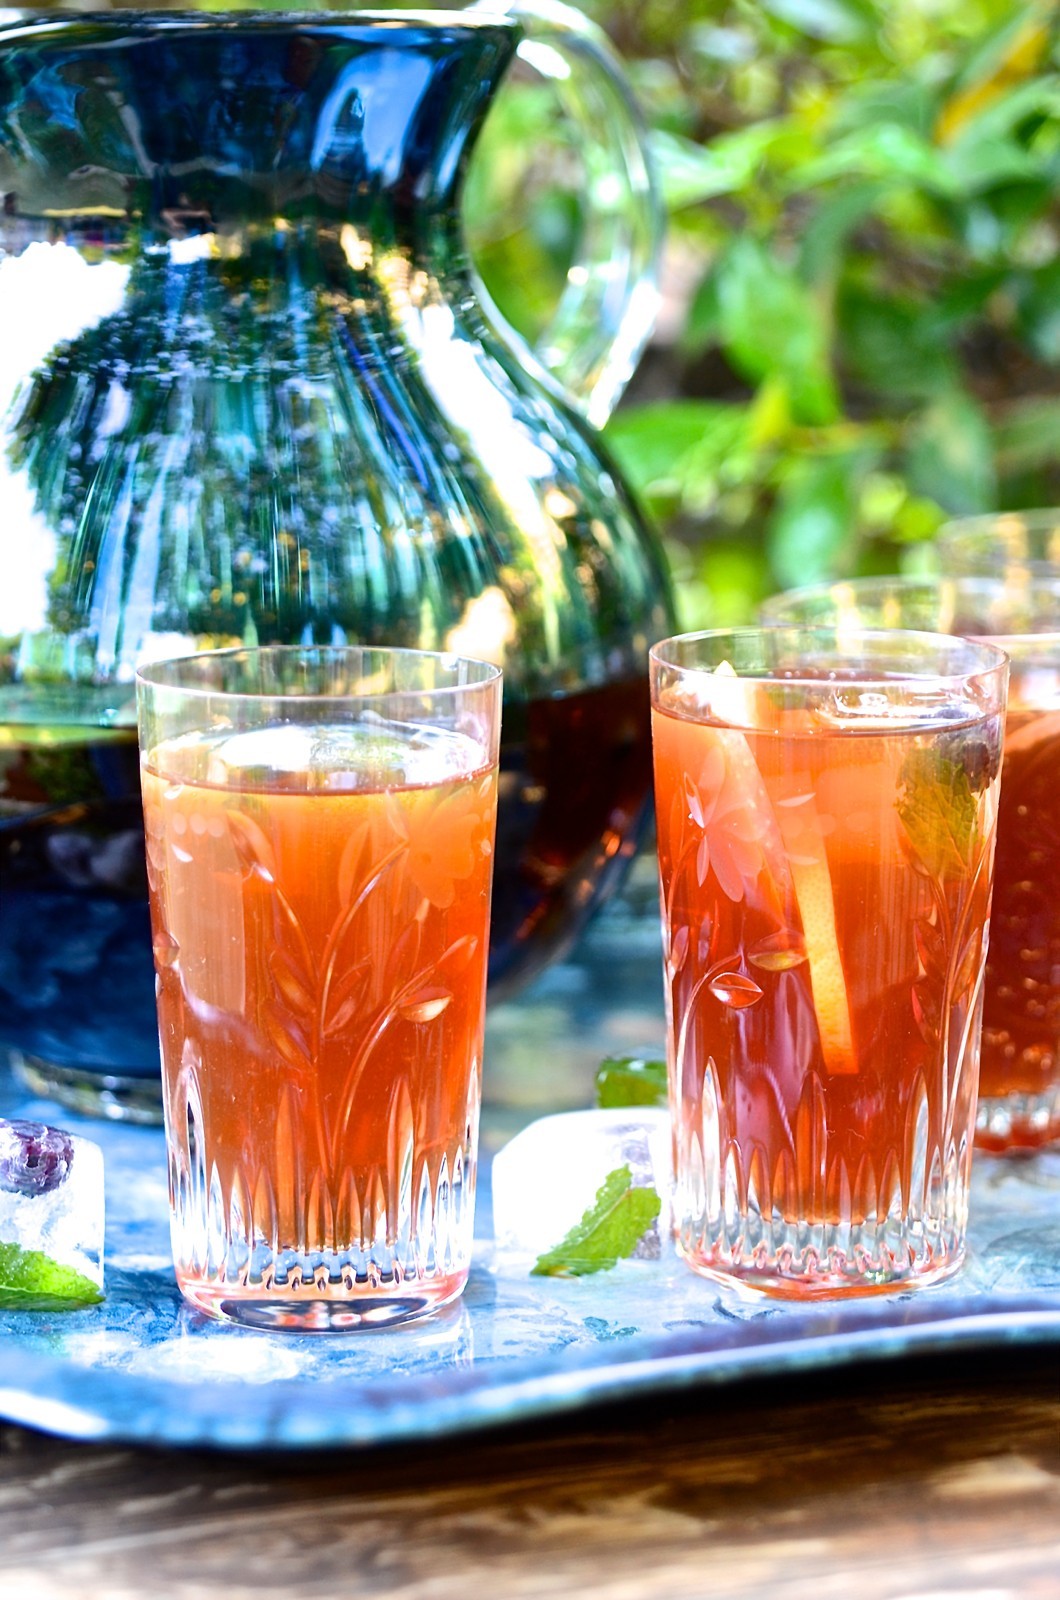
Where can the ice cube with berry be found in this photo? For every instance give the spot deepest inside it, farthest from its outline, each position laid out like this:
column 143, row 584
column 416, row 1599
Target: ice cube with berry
column 51, row 1218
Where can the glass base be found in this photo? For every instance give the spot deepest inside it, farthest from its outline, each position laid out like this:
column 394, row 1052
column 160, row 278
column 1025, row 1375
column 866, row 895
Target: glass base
column 1018, row 1121
column 116, row 1096
column 814, row 1261
column 337, row 1310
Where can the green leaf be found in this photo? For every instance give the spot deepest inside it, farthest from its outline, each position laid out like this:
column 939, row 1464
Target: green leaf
column 999, row 117
column 770, row 323
column 988, row 166
column 1038, row 303
column 608, row 1231
column 630, row 1081
column 769, row 420
column 691, row 173
column 681, row 450
column 950, row 456
column 908, row 99
column 737, row 579
column 989, row 54
column 989, row 151
column 652, row 441
column 1028, row 435
column 891, row 345
column 965, row 302
column 827, row 230
column 814, row 520
column 887, row 150
column 703, row 322
column 841, row 21
column 938, row 811
column 32, row 1281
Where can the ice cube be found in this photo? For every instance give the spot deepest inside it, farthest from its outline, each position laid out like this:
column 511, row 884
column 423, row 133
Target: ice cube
column 283, row 748
column 547, row 1177
column 370, row 753
column 376, row 752
column 716, row 692
column 51, row 1216
column 856, row 708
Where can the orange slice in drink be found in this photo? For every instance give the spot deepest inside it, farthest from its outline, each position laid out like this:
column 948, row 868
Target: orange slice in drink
column 813, row 889
column 796, row 825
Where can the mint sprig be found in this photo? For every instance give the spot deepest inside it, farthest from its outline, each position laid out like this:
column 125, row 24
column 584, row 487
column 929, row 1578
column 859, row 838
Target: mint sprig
column 33, row 1281
column 630, row 1081
column 938, row 809
column 608, row 1231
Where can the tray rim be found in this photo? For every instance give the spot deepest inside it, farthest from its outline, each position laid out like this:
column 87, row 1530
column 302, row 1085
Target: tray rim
column 135, row 1410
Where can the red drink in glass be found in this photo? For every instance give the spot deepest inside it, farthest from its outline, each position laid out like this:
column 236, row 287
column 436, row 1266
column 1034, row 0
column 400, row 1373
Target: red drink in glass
column 320, row 905
column 825, row 861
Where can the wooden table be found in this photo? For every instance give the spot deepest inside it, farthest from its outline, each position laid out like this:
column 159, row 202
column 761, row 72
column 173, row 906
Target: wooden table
column 891, row 1481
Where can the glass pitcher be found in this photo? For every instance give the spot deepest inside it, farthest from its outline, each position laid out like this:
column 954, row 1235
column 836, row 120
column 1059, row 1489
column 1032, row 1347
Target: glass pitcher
column 252, row 390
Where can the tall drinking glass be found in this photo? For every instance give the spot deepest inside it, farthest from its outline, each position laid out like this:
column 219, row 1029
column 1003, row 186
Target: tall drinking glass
column 826, row 807
column 1021, row 546
column 320, row 827
column 1019, row 1084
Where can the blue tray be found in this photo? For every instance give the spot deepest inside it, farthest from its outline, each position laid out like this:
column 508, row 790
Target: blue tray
column 143, row 1368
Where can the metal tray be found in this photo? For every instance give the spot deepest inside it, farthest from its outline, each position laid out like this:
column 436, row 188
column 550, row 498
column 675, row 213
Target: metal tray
column 143, row 1368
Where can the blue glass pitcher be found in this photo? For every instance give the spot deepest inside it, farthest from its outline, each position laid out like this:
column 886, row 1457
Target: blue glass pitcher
column 252, row 390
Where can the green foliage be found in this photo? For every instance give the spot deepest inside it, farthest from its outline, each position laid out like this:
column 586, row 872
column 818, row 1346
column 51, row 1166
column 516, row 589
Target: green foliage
column 862, row 330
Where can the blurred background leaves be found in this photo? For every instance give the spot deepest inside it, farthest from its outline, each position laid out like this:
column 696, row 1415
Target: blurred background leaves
column 861, row 324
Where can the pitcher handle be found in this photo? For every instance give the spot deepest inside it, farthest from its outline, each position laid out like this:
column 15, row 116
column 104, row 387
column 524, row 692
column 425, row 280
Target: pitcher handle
column 607, row 309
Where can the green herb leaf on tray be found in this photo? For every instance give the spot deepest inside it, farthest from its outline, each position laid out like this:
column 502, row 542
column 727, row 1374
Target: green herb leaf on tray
column 33, row 1281
column 607, row 1232
column 630, row 1081
column 939, row 812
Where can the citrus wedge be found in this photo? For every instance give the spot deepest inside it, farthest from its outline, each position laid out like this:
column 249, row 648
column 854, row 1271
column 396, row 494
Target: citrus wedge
column 813, row 890
column 792, row 841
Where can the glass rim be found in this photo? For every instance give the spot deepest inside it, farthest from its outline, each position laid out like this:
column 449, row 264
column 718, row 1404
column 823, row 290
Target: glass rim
column 25, row 19
column 982, row 521
column 774, row 615
column 993, row 657
column 989, row 542
column 163, row 674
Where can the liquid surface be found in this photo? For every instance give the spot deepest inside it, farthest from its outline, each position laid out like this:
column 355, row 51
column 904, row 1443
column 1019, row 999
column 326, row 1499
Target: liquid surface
column 824, row 902
column 321, row 946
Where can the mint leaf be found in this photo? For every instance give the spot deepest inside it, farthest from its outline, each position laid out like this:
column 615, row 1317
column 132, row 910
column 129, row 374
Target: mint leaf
column 32, row 1281
column 939, row 812
column 630, row 1081
column 608, row 1231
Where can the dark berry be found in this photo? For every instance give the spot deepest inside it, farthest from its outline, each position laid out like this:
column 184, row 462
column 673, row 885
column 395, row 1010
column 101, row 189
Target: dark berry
column 34, row 1159
column 979, row 753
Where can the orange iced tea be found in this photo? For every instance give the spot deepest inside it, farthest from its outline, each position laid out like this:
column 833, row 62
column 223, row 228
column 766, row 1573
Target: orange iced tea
column 825, row 863
column 320, row 908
